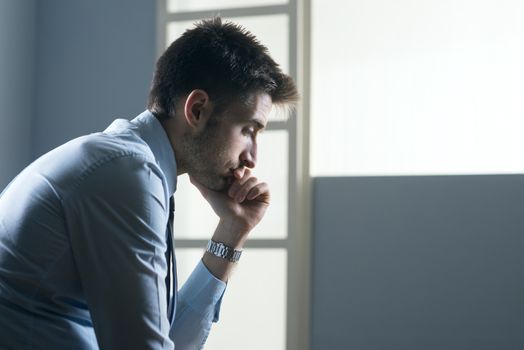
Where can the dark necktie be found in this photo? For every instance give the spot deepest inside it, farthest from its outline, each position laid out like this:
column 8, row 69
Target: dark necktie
column 169, row 255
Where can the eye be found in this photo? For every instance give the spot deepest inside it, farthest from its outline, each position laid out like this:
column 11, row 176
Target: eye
column 249, row 131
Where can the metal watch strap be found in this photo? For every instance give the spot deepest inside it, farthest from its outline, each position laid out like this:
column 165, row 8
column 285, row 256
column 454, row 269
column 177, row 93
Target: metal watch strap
column 223, row 251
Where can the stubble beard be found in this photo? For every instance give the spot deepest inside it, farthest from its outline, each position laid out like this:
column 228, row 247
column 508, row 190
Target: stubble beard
column 206, row 160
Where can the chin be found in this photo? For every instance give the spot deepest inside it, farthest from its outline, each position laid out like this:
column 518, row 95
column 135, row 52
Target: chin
column 214, row 183
column 222, row 185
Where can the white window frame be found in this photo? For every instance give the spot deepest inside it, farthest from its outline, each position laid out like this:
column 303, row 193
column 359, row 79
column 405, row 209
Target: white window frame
column 298, row 241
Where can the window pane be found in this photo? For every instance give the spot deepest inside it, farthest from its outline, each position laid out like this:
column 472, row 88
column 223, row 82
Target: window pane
column 271, row 30
column 200, row 5
column 272, row 168
column 253, row 311
column 194, row 218
column 422, row 87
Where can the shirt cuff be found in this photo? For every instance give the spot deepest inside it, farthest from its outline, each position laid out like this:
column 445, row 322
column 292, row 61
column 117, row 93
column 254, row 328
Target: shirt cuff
column 203, row 292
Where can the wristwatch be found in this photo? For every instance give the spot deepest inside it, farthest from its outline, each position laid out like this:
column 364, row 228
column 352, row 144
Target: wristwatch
column 223, row 251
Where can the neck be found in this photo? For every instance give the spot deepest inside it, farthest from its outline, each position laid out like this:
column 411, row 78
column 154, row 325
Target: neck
column 174, row 134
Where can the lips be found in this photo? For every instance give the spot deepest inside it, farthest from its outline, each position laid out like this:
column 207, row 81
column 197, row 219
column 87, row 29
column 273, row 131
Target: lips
column 230, row 177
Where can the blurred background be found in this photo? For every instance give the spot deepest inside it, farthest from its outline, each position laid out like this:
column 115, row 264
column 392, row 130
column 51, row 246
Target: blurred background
column 398, row 212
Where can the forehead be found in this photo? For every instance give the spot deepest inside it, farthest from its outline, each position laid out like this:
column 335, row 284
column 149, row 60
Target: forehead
column 255, row 108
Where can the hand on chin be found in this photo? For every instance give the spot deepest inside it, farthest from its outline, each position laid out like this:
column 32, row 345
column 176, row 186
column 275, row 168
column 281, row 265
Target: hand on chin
column 243, row 203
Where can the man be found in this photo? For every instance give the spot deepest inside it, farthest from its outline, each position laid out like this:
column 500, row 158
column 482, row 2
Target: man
column 86, row 255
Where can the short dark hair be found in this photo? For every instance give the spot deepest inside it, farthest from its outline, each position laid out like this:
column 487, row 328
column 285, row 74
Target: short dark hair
column 223, row 59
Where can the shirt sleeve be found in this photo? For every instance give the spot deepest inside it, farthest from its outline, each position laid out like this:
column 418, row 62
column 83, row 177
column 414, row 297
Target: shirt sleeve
column 198, row 306
column 116, row 218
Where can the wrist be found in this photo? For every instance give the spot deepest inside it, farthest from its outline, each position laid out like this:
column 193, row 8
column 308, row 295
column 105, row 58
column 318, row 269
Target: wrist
column 232, row 233
column 223, row 251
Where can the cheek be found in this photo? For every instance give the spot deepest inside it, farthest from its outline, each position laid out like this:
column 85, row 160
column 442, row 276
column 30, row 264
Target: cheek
column 239, row 145
column 231, row 145
column 222, row 151
column 235, row 142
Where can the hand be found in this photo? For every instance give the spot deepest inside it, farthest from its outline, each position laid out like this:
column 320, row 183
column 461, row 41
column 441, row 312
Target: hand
column 242, row 206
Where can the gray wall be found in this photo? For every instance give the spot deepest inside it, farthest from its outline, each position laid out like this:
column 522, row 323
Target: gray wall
column 68, row 68
column 418, row 263
column 17, row 41
column 95, row 60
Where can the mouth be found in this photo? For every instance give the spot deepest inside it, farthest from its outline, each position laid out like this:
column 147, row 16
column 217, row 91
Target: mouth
column 230, row 178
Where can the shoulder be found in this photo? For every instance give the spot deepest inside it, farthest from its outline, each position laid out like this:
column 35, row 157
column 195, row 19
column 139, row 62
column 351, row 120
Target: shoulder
column 100, row 147
column 122, row 171
column 126, row 185
column 105, row 163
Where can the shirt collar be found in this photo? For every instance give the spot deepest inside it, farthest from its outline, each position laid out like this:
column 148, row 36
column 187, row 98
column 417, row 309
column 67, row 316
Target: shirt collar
column 153, row 133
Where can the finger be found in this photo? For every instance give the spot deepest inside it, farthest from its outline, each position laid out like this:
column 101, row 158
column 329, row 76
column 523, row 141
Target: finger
column 239, row 182
column 260, row 191
column 245, row 188
column 240, row 172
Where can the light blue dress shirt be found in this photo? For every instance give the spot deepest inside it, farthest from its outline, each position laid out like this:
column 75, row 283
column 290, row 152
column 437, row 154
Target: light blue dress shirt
column 82, row 248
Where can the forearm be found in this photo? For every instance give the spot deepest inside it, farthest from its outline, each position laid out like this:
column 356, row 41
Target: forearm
column 198, row 306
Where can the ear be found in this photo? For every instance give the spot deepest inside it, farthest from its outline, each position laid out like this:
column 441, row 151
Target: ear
column 197, row 109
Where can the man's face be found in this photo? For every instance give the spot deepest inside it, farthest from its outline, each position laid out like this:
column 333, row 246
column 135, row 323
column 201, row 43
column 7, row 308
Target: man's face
column 227, row 143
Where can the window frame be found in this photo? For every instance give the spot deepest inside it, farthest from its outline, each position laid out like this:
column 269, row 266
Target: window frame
column 298, row 240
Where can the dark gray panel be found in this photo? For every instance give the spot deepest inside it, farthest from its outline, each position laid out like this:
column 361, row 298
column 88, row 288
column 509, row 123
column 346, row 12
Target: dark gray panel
column 95, row 60
column 418, row 263
column 17, row 40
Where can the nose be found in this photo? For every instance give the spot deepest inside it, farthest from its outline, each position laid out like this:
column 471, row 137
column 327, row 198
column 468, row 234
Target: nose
column 248, row 158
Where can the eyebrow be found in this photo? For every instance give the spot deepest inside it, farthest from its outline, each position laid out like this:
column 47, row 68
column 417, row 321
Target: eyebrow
column 258, row 123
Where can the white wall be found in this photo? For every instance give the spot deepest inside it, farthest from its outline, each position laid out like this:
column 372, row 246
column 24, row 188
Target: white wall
column 17, row 41
column 417, row 87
